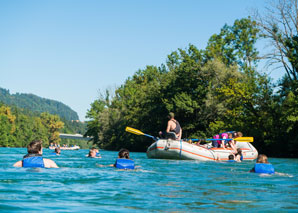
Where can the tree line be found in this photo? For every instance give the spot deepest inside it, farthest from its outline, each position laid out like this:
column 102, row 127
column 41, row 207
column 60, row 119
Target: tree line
column 18, row 127
column 212, row 90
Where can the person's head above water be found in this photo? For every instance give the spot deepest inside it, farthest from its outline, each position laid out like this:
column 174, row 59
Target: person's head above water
column 34, row 157
column 57, row 150
column 35, row 147
column 123, row 153
column 94, row 149
column 92, row 153
column 231, row 157
column 262, row 159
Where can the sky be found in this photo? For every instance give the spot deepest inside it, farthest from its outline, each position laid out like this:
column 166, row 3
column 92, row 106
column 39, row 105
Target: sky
column 70, row 50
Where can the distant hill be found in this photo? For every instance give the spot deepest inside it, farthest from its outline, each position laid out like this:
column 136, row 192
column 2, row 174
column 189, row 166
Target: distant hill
column 37, row 104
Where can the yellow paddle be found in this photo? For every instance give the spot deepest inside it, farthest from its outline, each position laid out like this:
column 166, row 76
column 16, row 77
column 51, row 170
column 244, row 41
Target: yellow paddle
column 138, row 132
column 244, row 139
column 239, row 139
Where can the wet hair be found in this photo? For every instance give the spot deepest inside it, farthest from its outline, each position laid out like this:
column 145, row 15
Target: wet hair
column 262, row 159
column 90, row 151
column 57, row 149
column 34, row 147
column 239, row 151
column 123, row 153
column 231, row 157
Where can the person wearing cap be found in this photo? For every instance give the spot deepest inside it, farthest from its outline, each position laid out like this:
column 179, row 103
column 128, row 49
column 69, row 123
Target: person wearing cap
column 173, row 128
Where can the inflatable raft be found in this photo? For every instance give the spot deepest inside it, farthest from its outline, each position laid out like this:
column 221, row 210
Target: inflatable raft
column 181, row 150
column 66, row 148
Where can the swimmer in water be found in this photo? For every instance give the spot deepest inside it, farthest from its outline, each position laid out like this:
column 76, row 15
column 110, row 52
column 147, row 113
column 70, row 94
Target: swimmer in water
column 262, row 165
column 124, row 161
column 34, row 157
column 93, row 153
column 57, row 150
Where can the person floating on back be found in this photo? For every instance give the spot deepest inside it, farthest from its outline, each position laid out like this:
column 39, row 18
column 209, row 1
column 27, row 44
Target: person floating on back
column 34, row 157
column 123, row 161
column 262, row 165
column 174, row 130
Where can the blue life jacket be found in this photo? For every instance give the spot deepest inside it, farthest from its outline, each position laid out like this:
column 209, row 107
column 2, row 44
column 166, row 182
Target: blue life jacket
column 123, row 163
column 264, row 168
column 97, row 154
column 33, row 162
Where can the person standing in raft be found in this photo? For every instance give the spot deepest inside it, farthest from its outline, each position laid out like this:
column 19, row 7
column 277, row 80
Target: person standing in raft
column 123, row 161
column 174, row 130
column 262, row 165
column 34, row 157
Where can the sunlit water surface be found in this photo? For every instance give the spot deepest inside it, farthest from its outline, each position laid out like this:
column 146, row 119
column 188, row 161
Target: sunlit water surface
column 81, row 184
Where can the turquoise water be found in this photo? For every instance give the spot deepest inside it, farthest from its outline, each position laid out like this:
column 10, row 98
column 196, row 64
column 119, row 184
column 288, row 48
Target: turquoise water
column 80, row 184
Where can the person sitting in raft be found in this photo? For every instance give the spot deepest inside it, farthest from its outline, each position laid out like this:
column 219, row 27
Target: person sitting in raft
column 123, row 161
column 220, row 143
column 34, row 157
column 262, row 165
column 231, row 143
column 174, row 130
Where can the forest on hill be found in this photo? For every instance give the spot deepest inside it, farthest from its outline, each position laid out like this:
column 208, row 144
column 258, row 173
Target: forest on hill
column 37, row 104
column 212, row 90
column 18, row 127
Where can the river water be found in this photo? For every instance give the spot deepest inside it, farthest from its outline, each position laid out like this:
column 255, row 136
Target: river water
column 82, row 184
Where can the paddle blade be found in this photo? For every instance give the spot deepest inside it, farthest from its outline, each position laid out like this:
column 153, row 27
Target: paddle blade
column 244, row 139
column 133, row 131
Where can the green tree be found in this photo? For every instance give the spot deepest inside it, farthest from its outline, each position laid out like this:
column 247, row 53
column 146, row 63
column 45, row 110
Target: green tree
column 235, row 44
column 53, row 125
column 5, row 129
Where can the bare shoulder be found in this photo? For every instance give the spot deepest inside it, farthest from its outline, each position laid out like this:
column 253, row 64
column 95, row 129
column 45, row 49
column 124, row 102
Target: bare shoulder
column 18, row 164
column 48, row 163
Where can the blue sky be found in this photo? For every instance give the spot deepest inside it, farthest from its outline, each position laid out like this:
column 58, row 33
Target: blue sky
column 69, row 50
